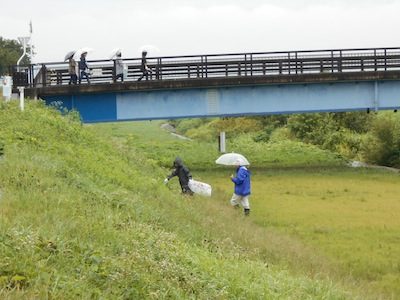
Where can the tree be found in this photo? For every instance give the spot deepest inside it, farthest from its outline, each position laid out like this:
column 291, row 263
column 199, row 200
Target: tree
column 10, row 52
column 383, row 145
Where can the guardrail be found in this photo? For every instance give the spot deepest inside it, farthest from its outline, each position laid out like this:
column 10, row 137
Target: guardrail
column 220, row 66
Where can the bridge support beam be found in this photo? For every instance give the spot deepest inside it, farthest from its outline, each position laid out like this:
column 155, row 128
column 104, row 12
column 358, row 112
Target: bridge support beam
column 234, row 101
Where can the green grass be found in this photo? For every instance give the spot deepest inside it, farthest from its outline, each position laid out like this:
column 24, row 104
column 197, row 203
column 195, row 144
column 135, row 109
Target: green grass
column 83, row 215
column 340, row 221
column 162, row 147
column 350, row 216
column 306, row 194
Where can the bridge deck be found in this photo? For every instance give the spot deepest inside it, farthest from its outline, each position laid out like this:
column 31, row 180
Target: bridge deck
column 212, row 83
column 175, row 72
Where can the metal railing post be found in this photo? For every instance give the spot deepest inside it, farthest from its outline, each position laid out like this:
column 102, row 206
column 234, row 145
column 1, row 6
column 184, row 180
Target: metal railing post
column 158, row 69
column 251, row 64
column 245, row 65
column 30, row 75
column 44, row 75
column 114, row 72
column 205, row 59
column 202, row 66
column 385, row 53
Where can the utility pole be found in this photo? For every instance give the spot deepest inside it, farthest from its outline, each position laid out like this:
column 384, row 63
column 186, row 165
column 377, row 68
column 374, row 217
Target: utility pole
column 31, row 41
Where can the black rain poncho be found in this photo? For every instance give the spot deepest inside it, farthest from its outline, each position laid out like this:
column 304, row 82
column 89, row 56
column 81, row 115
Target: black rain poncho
column 183, row 174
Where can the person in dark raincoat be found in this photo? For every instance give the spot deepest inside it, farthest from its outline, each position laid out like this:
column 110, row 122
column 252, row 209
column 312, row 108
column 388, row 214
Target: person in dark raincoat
column 144, row 67
column 183, row 174
column 83, row 68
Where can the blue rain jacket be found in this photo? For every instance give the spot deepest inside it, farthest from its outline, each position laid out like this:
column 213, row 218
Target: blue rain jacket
column 242, row 181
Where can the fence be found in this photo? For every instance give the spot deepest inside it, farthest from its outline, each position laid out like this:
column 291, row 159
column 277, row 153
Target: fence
column 220, row 66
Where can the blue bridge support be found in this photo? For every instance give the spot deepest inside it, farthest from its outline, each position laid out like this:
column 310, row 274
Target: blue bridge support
column 239, row 100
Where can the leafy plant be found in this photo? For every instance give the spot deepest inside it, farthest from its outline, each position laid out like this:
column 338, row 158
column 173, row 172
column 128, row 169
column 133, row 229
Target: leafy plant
column 382, row 145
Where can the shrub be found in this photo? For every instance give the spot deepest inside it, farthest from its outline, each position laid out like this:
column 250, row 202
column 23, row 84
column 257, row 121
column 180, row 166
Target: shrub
column 236, row 126
column 281, row 134
column 183, row 126
column 382, row 145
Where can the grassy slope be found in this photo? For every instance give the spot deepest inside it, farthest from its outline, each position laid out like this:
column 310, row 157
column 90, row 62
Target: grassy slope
column 162, row 148
column 350, row 216
column 83, row 218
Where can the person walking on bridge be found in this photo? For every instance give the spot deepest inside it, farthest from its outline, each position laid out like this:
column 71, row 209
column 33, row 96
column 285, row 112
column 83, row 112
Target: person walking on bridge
column 183, row 174
column 83, row 68
column 72, row 71
column 144, row 67
column 119, row 67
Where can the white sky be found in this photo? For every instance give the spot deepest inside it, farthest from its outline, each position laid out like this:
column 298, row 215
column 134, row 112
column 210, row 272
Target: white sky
column 179, row 27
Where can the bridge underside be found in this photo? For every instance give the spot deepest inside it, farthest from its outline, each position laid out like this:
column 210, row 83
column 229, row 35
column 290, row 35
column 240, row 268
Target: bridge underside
column 227, row 97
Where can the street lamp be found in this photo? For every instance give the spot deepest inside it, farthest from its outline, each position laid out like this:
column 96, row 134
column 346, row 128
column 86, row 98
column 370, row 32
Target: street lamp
column 24, row 42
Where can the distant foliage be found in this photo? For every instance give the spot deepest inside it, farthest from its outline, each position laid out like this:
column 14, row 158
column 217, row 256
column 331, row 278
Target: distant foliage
column 182, row 126
column 359, row 122
column 237, row 126
column 312, row 128
column 373, row 138
column 10, row 52
column 209, row 129
column 283, row 153
column 382, row 146
column 338, row 132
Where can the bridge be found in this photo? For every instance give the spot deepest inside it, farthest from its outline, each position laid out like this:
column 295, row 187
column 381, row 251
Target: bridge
column 224, row 85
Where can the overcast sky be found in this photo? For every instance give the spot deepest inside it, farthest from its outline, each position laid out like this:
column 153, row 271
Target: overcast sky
column 179, row 27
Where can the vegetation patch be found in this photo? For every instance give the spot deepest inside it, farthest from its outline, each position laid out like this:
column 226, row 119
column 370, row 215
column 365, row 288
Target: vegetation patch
column 86, row 216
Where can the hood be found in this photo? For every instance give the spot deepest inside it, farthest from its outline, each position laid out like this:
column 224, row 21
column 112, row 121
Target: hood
column 178, row 162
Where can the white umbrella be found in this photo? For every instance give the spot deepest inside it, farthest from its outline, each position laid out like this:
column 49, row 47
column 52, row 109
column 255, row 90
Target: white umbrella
column 115, row 52
column 82, row 50
column 149, row 49
column 232, row 159
column 69, row 55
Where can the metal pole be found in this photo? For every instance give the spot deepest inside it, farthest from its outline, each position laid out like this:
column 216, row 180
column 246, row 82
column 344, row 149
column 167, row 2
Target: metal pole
column 222, row 143
column 30, row 42
column 21, row 98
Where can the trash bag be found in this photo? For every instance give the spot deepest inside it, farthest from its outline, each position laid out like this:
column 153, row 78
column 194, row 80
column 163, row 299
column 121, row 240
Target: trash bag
column 200, row 188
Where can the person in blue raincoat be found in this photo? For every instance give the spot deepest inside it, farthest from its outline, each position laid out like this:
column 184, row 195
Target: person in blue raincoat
column 242, row 190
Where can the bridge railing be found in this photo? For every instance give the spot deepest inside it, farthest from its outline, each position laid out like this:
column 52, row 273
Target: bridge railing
column 222, row 65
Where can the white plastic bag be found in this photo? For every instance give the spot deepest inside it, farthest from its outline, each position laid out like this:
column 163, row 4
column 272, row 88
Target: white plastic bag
column 200, row 188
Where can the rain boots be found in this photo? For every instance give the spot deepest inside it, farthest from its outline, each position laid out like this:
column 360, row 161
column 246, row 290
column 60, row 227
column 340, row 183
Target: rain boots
column 246, row 210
